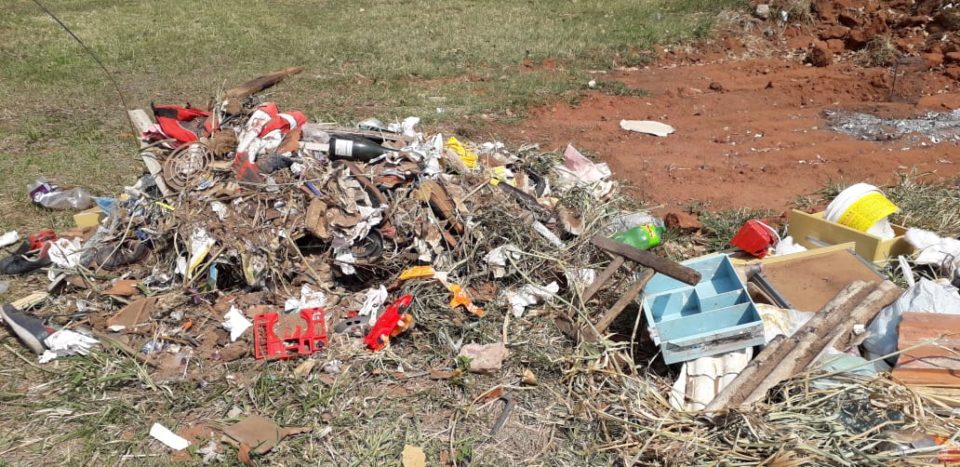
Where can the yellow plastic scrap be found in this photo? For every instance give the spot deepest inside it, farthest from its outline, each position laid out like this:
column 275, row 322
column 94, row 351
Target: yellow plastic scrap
column 499, row 174
column 417, row 272
column 460, row 298
column 468, row 157
column 165, row 206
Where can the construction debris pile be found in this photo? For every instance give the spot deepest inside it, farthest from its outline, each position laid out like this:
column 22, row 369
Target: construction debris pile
column 259, row 235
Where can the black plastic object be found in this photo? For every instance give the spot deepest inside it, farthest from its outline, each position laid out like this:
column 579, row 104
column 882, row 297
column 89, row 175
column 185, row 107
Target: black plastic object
column 354, row 148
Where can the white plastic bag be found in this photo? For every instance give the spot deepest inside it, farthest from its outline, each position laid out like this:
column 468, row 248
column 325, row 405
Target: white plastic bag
column 925, row 296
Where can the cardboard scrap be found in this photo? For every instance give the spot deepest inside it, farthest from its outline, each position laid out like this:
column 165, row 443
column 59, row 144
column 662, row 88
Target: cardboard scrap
column 132, row 315
column 413, row 456
column 260, row 433
column 647, row 126
column 485, row 359
column 123, row 288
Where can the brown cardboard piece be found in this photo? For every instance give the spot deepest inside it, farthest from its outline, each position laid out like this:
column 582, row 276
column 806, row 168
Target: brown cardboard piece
column 123, row 288
column 132, row 315
column 809, row 282
column 260, row 433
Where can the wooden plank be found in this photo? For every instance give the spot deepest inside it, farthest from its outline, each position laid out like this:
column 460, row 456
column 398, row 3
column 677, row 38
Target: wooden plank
column 602, row 279
column 30, row 300
column 645, row 258
column 810, row 342
column 930, row 345
column 236, row 94
column 626, row 299
column 142, row 122
column 773, row 355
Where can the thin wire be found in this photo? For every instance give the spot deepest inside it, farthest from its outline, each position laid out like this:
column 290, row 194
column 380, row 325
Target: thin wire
column 103, row 67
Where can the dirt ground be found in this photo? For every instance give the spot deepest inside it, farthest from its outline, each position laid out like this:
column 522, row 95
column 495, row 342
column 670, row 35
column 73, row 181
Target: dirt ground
column 750, row 126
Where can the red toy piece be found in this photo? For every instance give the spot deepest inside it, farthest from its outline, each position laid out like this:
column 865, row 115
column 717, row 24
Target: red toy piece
column 390, row 323
column 41, row 241
column 754, row 237
column 301, row 342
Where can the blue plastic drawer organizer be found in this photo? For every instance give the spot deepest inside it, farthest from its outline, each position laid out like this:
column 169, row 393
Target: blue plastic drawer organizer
column 714, row 317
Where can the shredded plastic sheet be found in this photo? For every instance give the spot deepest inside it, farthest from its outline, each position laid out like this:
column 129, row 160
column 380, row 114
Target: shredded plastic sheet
column 468, row 157
column 498, row 258
column 200, row 245
column 577, row 170
column 236, row 323
column 580, row 278
column 925, row 296
column 781, row 321
column 66, row 252
column 935, row 250
column 309, row 298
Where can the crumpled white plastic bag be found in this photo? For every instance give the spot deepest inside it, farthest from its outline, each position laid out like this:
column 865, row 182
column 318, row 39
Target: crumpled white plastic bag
column 498, row 258
column 65, row 252
column 777, row 321
column 66, row 342
column 530, row 295
column 925, row 296
column 935, row 250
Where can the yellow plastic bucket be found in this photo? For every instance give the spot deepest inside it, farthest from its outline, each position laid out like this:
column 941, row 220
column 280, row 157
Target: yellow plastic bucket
column 861, row 207
column 866, row 211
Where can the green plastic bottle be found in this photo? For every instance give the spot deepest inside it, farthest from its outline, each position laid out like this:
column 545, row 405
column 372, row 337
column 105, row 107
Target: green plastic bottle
column 641, row 237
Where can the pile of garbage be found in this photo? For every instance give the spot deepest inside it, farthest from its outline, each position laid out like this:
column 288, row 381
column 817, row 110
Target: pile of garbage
column 259, row 235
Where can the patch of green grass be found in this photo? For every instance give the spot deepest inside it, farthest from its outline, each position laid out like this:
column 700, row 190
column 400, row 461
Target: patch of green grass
column 721, row 226
column 926, row 205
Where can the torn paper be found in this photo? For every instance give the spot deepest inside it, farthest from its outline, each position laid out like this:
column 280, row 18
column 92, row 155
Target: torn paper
column 169, row 438
column 498, row 258
column 236, row 323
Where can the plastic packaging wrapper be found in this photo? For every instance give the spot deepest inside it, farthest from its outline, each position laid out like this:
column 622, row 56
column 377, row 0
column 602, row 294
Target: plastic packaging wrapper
column 9, row 238
column 49, row 195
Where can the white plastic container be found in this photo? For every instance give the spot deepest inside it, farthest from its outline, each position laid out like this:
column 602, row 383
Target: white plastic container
column 863, row 207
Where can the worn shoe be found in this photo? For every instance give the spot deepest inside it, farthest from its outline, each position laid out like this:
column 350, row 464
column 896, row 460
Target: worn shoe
column 30, row 330
column 30, row 255
column 110, row 257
